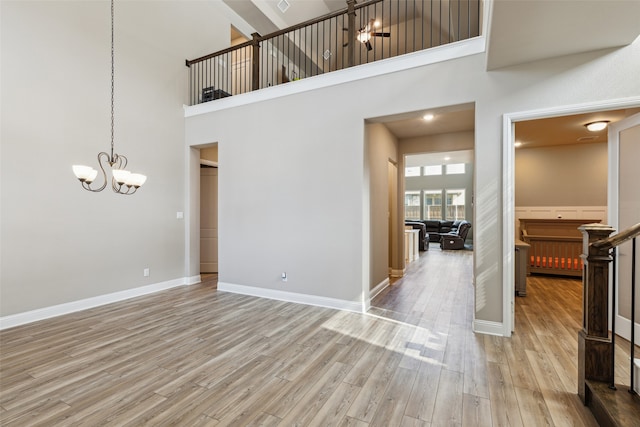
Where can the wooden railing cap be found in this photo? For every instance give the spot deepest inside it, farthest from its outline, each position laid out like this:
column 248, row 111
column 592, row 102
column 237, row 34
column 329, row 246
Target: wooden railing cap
column 618, row 239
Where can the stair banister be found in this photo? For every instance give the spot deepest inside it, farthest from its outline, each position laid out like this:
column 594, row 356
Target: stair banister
column 596, row 351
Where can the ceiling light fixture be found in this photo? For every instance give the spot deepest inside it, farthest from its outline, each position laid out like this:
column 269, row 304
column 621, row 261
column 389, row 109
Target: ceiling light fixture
column 428, row 117
column 597, row 126
column 517, row 144
column 122, row 181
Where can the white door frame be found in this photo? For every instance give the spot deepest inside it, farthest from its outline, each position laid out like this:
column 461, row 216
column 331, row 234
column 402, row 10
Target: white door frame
column 508, row 182
column 623, row 325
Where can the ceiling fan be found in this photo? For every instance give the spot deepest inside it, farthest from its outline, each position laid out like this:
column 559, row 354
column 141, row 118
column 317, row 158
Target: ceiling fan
column 365, row 33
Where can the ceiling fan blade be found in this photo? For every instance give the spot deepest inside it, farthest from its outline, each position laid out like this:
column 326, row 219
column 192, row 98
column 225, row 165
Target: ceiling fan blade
column 368, row 45
column 381, row 34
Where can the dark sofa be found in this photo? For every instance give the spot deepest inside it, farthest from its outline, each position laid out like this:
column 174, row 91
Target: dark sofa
column 435, row 229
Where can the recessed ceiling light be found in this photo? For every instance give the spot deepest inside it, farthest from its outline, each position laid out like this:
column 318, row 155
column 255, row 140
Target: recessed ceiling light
column 597, row 126
column 447, row 158
column 428, row 117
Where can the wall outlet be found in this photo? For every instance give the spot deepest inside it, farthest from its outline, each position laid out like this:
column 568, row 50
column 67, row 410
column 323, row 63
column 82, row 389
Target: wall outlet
column 284, row 276
column 145, row 272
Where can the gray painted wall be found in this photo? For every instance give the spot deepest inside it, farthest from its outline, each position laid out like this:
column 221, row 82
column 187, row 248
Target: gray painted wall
column 292, row 182
column 60, row 243
column 319, row 150
column 566, row 175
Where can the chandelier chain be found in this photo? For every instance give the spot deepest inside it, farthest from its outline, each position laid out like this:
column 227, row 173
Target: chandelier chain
column 112, row 80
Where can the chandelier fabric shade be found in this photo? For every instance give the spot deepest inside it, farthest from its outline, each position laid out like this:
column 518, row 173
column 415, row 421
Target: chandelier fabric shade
column 122, row 181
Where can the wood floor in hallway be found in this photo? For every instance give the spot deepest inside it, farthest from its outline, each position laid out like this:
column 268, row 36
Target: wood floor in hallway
column 193, row 356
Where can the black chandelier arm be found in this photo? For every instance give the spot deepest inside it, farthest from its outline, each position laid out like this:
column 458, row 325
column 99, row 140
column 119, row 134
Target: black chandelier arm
column 87, row 185
column 130, row 189
column 119, row 161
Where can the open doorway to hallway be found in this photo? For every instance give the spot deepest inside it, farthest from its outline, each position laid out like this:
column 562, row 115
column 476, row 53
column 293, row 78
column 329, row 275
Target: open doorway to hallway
column 446, row 137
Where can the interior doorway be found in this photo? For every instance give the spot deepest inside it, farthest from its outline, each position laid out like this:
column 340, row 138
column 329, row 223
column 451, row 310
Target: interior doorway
column 545, row 154
column 444, row 132
column 209, row 210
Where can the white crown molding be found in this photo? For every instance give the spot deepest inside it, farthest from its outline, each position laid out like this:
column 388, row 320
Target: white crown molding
column 84, row 304
column 338, row 304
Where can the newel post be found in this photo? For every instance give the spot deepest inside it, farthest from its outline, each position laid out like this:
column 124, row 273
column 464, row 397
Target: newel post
column 594, row 343
column 351, row 33
column 255, row 62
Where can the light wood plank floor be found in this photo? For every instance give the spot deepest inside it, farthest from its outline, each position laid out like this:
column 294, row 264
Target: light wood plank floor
column 194, row 356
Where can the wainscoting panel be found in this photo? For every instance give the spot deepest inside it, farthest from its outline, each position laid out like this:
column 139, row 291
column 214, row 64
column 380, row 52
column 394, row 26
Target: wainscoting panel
column 567, row 212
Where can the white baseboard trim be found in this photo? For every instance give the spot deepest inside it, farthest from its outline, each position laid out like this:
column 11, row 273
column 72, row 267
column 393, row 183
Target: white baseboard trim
column 84, row 304
column 623, row 328
column 636, row 375
column 379, row 288
column 488, row 328
column 339, row 304
column 193, row 280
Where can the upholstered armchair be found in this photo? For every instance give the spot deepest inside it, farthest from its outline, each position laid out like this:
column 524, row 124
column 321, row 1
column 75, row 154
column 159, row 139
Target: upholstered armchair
column 455, row 239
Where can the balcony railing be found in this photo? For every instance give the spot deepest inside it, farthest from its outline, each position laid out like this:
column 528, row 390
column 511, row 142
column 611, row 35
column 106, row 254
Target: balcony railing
column 358, row 34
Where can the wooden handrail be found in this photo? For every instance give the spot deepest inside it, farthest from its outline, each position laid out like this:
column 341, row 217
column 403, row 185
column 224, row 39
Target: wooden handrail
column 618, row 239
column 278, row 33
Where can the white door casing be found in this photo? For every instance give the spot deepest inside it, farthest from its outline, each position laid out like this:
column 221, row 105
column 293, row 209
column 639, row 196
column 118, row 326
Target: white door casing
column 624, row 211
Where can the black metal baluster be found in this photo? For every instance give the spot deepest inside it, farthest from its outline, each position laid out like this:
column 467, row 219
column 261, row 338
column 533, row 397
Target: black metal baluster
column 614, row 254
column 633, row 312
